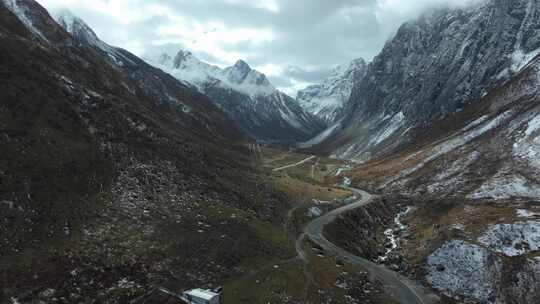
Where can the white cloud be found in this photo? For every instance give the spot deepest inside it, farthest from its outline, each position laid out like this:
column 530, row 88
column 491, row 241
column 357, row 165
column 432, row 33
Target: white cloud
column 271, row 35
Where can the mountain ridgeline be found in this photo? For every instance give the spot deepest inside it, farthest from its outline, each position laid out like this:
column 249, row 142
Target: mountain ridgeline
column 120, row 175
column 246, row 96
column 434, row 66
column 327, row 100
column 105, row 163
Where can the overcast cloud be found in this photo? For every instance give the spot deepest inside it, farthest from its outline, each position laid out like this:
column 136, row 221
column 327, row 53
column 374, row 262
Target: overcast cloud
column 294, row 42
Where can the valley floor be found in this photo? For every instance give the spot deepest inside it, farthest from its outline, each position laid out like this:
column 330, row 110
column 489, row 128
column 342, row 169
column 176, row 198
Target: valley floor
column 460, row 251
column 320, row 272
column 330, row 243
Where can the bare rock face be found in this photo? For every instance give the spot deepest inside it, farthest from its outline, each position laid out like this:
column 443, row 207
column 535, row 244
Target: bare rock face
column 433, row 67
column 465, row 270
column 327, row 100
column 462, row 269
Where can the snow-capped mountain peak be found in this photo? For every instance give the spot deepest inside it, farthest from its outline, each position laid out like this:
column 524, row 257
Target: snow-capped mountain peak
column 180, row 60
column 242, row 74
column 238, row 72
column 188, row 68
column 327, row 99
column 78, row 28
column 84, row 34
column 69, row 21
column 241, row 66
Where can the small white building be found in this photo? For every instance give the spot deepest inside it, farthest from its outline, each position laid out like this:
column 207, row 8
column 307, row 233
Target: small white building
column 201, row 296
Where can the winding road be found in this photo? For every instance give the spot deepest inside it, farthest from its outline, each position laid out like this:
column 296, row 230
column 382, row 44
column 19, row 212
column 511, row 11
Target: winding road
column 404, row 290
column 294, row 165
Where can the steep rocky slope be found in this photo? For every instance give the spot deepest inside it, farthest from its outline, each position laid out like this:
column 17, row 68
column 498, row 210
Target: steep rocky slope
column 326, row 100
column 163, row 89
column 475, row 175
column 114, row 177
column 246, row 95
column 489, row 150
column 433, row 67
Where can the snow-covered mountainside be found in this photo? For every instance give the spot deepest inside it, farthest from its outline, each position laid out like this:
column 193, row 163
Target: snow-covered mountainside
column 165, row 90
column 246, row 95
column 434, row 67
column 488, row 151
column 326, row 100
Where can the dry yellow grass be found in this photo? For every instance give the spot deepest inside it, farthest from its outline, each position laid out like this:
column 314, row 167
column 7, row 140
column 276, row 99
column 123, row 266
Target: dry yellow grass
column 302, row 192
column 437, row 221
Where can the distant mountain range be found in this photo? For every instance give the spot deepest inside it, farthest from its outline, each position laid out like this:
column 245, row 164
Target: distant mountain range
column 263, row 112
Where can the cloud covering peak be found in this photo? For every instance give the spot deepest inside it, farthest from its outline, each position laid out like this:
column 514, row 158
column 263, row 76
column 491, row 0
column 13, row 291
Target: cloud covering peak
column 292, row 42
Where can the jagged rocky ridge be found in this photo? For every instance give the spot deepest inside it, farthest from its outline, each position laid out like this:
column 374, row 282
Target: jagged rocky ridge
column 482, row 152
column 161, row 87
column 326, row 100
column 433, row 67
column 97, row 145
column 246, row 95
column 487, row 153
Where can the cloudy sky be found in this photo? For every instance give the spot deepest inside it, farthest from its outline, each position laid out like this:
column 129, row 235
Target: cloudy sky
column 294, row 42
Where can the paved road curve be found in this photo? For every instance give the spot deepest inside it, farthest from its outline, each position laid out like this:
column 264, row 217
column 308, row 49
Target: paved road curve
column 403, row 289
column 295, row 165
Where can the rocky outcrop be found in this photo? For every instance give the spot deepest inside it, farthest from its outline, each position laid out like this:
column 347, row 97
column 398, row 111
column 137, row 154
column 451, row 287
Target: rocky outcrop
column 434, row 67
column 488, row 151
column 464, row 270
column 513, row 239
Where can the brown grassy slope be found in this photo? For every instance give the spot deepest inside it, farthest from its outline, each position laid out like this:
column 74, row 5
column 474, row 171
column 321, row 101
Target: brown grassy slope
column 104, row 193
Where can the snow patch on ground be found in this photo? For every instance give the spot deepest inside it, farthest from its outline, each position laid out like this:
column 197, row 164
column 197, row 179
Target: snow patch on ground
column 393, row 125
column 524, row 213
column 513, row 239
column 520, row 59
column 503, row 186
column 463, row 269
column 289, row 118
column 475, row 123
column 533, row 126
column 455, row 142
column 451, row 178
column 458, row 166
column 528, row 146
column 458, row 226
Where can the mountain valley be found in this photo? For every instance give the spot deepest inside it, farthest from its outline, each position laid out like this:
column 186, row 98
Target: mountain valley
column 411, row 178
